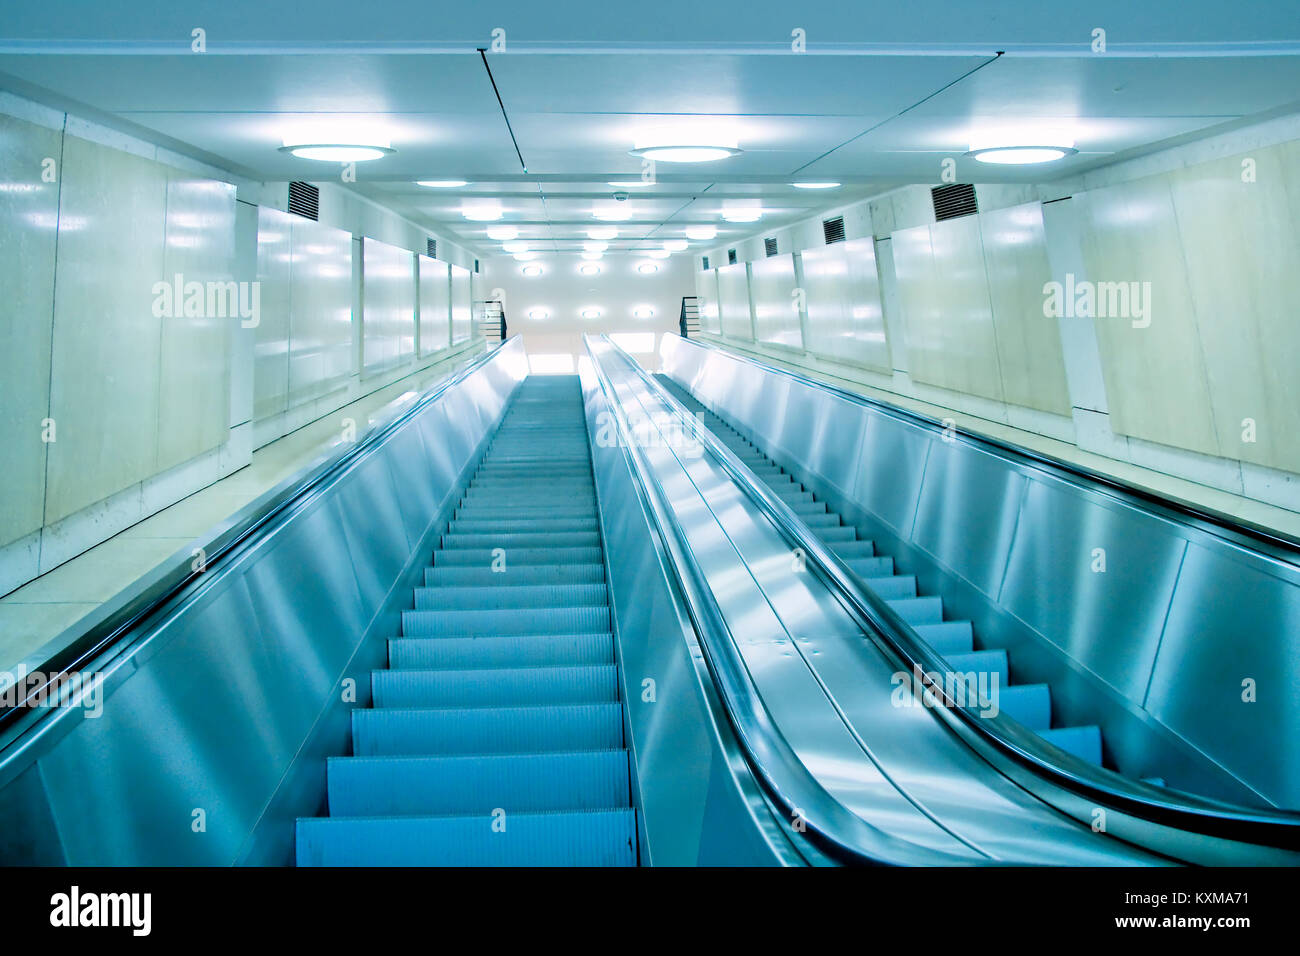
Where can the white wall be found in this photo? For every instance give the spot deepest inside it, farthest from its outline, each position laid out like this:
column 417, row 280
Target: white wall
column 565, row 293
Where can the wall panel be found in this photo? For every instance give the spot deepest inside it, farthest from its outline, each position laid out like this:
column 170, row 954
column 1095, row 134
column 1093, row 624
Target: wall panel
column 388, row 322
column 271, row 349
column 461, row 304
column 845, row 320
column 320, row 333
column 706, row 291
column 733, row 301
column 435, row 305
column 776, row 313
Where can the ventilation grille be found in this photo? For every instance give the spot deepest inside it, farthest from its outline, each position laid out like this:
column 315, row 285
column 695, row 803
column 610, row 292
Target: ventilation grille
column 953, row 202
column 432, row 248
column 706, row 263
column 731, row 257
column 833, row 230
column 769, row 246
column 476, row 265
column 304, row 200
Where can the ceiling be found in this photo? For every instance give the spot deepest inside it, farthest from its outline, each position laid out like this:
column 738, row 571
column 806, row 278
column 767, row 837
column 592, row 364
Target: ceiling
column 884, row 93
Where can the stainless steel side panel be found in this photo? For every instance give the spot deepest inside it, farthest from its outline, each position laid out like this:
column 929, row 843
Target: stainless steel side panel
column 1155, row 647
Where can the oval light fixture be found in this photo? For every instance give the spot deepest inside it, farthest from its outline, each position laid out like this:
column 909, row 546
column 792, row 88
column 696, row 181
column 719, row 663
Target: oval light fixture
column 526, row 256
column 338, row 152
column 1020, row 155
column 658, row 253
column 603, row 232
column 741, row 211
column 442, row 183
column 589, row 268
column 503, row 233
column 628, row 183
column 481, row 211
column 591, row 313
column 532, row 272
column 643, row 312
column 613, row 212
column 647, row 268
column 593, row 256
column 515, row 245
column 701, row 232
column 594, row 245
column 682, row 153
column 675, row 245
column 539, row 314
column 816, row 185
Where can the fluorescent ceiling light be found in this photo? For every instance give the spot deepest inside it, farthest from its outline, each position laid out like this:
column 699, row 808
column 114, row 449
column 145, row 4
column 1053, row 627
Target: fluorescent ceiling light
column 744, row 210
column 481, row 211
column 338, row 152
column 591, row 313
column 532, row 271
column 593, row 245
column 592, row 255
column 442, row 183
column 503, row 233
column 515, row 245
column 658, row 253
column 539, row 314
column 647, row 268
column 1021, row 155
column 629, row 183
column 603, row 232
column 675, row 245
column 701, row 232
column 815, row 185
column 686, row 152
column 613, row 212
column 590, row 268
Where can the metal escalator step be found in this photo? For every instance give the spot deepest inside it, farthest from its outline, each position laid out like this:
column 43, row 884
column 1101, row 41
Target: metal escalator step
column 921, row 610
column 522, row 512
column 854, row 549
column 392, row 731
column 514, row 575
column 541, row 539
column 477, row 783
column 1031, row 704
column 500, row 525
column 573, row 838
column 505, row 622
column 826, row 519
column 483, row 557
column 520, row 596
column 838, row 533
column 871, row 567
column 981, row 662
column 1083, row 742
column 808, row 507
column 949, row 637
column 464, row 653
column 893, row 587
column 494, row 687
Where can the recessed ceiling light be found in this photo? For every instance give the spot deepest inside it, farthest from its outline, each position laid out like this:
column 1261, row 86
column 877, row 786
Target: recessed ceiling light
column 532, row 271
column 815, row 185
column 338, row 152
column 685, row 154
column 744, row 210
column 592, row 313
column 595, row 245
column 613, row 212
column 503, row 233
column 701, row 232
column 675, row 245
column 643, row 312
column 481, row 211
column 658, row 253
column 442, row 183
column 538, row 313
column 603, row 232
column 526, row 256
column 515, row 245
column 590, row 268
column 628, row 183
column 592, row 254
column 1020, row 155
column 647, row 268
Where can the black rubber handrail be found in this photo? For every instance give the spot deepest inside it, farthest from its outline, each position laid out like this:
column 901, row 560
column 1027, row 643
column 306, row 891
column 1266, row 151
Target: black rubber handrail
column 1276, row 544
column 98, row 634
column 1264, row 827
column 831, row 827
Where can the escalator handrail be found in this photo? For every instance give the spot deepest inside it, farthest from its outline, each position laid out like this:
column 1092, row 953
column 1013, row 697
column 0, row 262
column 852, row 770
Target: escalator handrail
column 831, row 827
column 1270, row 542
column 1266, row 827
column 101, row 632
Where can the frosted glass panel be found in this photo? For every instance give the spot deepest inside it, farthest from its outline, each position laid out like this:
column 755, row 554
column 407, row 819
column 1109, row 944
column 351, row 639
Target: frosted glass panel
column 271, row 336
column 388, row 324
column 842, row 291
column 733, row 301
column 435, row 305
column 461, row 310
column 28, row 211
column 776, row 314
column 706, row 290
column 1028, row 342
column 320, row 333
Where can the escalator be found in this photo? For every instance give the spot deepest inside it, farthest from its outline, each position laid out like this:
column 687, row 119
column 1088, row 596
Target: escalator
column 495, row 735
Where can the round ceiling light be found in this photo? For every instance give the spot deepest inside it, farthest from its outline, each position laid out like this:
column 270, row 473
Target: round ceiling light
column 1020, row 155
column 701, row 232
column 592, row 313
column 613, row 212
column 643, row 312
column 515, row 245
column 603, row 232
column 647, row 268
column 816, row 185
column 532, row 272
column 658, row 253
column 590, row 268
column 628, row 183
column 481, row 211
column 539, row 314
column 526, row 256
column 675, row 245
column 685, row 154
column 742, row 211
column 595, row 245
column 503, row 233
column 338, row 152
column 592, row 255
column 442, row 183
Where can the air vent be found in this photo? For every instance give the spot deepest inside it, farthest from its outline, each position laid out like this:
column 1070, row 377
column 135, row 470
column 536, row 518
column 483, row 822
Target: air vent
column 706, row 263
column 953, row 202
column 769, row 246
column 833, row 230
column 731, row 257
column 431, row 246
column 304, row 200
column 475, row 265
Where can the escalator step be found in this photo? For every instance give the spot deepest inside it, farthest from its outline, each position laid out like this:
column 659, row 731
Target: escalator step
column 871, row 567
column 505, row 525
column 980, row 662
column 505, row 622
column 1083, row 742
column 1031, row 704
column 543, row 539
column 854, row 549
column 483, row 557
column 464, row 653
column 575, row 838
column 950, row 637
column 494, row 687
column 893, row 587
column 509, row 730
column 842, row 533
column 515, row 574
column 921, row 610
column 478, row 783
column 520, row 596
